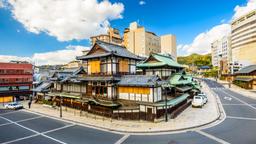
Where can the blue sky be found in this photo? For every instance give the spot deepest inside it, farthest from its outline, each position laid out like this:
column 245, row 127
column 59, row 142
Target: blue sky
column 184, row 18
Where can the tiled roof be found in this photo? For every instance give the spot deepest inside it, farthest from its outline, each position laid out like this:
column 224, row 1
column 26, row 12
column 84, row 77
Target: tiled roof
column 247, row 69
column 99, row 78
column 163, row 60
column 139, row 80
column 179, row 79
column 44, row 87
column 65, row 74
column 111, row 49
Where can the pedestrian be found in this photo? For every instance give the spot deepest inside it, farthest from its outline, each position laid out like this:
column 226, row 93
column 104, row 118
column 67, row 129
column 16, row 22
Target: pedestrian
column 29, row 104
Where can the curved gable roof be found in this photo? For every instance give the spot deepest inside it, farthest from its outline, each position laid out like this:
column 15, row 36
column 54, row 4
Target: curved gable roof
column 110, row 49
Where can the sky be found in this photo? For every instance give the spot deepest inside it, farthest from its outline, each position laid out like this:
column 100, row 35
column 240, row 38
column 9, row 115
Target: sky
column 55, row 32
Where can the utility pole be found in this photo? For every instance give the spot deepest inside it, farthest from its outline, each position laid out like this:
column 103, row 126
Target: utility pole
column 166, row 111
column 61, row 106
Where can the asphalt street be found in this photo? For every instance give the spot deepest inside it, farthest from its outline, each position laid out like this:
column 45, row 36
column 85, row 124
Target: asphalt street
column 239, row 127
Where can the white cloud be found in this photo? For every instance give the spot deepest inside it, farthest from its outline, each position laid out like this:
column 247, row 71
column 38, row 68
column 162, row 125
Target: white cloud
column 59, row 56
column 202, row 42
column 49, row 58
column 66, row 19
column 8, row 58
column 242, row 10
column 1, row 4
column 142, row 2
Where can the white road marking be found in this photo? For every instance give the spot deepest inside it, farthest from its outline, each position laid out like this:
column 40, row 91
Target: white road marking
column 240, row 100
column 19, row 139
column 67, row 126
column 239, row 104
column 37, row 133
column 212, row 137
column 121, row 140
column 29, row 119
column 241, row 118
column 227, row 98
column 8, row 113
column 6, row 124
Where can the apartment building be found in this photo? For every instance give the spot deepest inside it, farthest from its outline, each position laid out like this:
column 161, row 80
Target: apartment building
column 141, row 42
column 168, row 45
column 113, row 36
column 243, row 39
column 221, row 54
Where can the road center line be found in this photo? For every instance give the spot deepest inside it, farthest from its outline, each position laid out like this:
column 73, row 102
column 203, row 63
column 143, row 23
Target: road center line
column 212, row 137
column 36, row 132
column 241, row 118
column 121, row 140
column 240, row 100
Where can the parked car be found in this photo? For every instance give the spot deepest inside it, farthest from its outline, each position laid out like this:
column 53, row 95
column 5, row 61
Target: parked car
column 204, row 97
column 198, row 101
column 13, row 105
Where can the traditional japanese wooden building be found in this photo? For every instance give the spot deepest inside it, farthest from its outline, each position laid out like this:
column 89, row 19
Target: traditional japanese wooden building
column 107, row 85
column 246, row 77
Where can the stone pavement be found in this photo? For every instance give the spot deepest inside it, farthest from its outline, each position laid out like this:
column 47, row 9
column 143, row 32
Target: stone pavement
column 189, row 118
column 238, row 89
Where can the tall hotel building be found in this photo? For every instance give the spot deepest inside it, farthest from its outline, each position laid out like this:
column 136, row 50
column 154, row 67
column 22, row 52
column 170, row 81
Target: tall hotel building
column 142, row 42
column 243, row 39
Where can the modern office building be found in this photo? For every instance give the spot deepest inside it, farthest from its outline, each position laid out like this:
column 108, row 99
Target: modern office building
column 221, row 54
column 168, row 45
column 243, row 39
column 15, row 81
column 113, row 36
column 140, row 41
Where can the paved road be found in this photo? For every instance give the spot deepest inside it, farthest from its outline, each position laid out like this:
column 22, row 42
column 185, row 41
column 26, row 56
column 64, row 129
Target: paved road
column 239, row 127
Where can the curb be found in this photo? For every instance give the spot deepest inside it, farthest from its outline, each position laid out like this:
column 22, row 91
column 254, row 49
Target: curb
column 138, row 132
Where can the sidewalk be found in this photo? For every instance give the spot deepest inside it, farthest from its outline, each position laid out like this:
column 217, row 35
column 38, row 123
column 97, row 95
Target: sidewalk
column 238, row 89
column 190, row 118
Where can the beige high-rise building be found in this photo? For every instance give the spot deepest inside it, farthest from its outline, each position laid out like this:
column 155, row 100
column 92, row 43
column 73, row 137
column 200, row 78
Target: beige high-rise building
column 141, row 42
column 113, row 36
column 168, row 45
column 243, row 39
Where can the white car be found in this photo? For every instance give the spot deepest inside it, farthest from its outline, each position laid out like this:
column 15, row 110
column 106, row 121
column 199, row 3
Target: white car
column 204, row 97
column 13, row 105
column 198, row 101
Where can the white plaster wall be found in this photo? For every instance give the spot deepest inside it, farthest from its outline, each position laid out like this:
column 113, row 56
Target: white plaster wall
column 145, row 97
column 133, row 69
column 124, row 96
column 114, row 68
column 109, row 92
column 142, row 108
column 138, row 97
column 159, row 93
column 109, row 68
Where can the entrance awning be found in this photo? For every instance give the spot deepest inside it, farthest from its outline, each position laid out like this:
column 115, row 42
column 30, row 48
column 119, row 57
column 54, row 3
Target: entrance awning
column 173, row 102
column 104, row 103
column 65, row 95
column 183, row 88
column 243, row 79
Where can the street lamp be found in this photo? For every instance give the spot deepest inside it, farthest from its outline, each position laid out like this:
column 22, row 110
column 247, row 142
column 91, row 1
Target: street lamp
column 165, row 86
column 61, row 99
